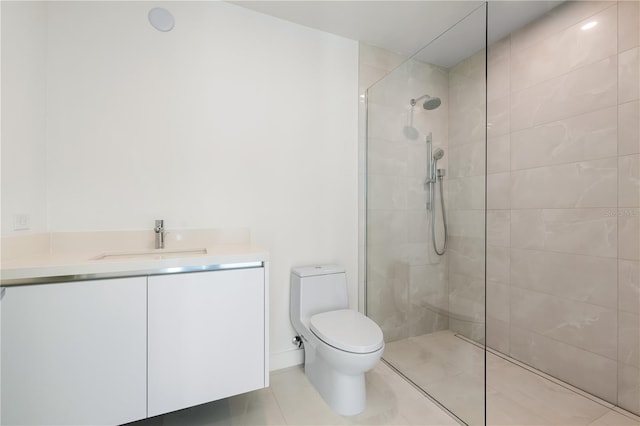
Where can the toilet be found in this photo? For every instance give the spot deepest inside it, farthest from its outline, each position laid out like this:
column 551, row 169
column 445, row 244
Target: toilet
column 340, row 344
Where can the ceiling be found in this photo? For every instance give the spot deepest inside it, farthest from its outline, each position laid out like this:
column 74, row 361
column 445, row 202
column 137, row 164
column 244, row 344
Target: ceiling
column 407, row 26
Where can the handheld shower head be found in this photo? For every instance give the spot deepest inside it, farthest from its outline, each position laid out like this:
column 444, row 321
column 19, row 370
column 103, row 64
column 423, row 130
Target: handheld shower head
column 432, row 102
column 438, row 154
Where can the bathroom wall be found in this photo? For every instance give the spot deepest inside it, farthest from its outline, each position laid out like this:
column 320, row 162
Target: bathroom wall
column 373, row 64
column 406, row 281
column 563, row 286
column 23, row 114
column 466, row 182
column 232, row 120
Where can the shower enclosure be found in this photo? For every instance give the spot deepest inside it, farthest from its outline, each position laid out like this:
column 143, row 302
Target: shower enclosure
column 537, row 143
column 425, row 242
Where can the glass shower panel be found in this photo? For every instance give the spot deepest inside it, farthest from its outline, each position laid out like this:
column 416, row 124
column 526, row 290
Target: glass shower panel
column 425, row 240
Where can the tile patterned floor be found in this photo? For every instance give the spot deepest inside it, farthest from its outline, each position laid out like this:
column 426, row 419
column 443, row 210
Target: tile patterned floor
column 451, row 370
column 291, row 400
column 515, row 395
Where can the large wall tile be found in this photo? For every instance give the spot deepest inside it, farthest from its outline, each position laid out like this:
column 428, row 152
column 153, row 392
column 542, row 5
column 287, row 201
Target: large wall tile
column 629, row 234
column 388, row 300
column 467, row 160
column 498, row 78
column 499, row 50
column 584, row 137
column 498, row 193
column 498, row 116
column 629, row 181
column 556, row 20
column 417, row 160
column 385, row 122
column 467, row 100
column 629, row 339
column 566, row 50
column 417, row 193
column 629, row 286
column 586, row 89
column 387, row 227
column 379, row 58
column 498, row 301
column 584, row 184
column 580, row 324
column 629, row 75
column 580, row 278
column 498, row 227
column 498, row 264
column 466, row 223
column 428, row 286
column 470, row 125
column 629, row 388
column 419, row 226
column 466, row 257
column 629, row 128
column 426, row 321
column 387, row 158
column 497, row 334
column 580, row 231
column 628, row 25
column 566, row 143
column 466, row 298
column 588, row 371
column 387, row 192
column 498, row 154
column 466, row 193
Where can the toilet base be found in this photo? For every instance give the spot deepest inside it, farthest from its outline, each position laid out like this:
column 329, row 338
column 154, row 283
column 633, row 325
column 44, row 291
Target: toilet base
column 345, row 394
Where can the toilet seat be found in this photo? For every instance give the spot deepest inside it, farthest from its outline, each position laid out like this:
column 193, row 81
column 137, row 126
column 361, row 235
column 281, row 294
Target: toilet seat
column 347, row 330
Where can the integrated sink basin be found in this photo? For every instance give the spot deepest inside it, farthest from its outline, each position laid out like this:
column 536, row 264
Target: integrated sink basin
column 151, row 254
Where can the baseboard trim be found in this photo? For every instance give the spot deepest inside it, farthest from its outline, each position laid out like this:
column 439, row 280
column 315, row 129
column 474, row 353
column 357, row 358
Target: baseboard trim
column 286, row 359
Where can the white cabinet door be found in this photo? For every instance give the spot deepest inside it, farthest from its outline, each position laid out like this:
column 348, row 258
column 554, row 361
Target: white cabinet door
column 206, row 337
column 74, row 353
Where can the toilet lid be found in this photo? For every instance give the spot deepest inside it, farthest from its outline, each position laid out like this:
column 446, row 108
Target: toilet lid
column 347, row 330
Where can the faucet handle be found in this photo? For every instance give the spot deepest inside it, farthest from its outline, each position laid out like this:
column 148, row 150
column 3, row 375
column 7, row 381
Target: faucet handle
column 159, row 225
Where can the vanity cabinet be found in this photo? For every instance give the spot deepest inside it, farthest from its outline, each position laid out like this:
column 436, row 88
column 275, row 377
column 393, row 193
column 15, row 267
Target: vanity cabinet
column 74, row 353
column 206, row 337
column 112, row 351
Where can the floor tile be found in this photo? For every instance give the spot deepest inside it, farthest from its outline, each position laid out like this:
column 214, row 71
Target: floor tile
column 612, row 418
column 450, row 369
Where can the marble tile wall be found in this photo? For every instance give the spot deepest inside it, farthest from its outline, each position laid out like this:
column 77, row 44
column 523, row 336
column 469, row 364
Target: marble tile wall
column 563, row 219
column 373, row 64
column 466, row 183
column 407, row 283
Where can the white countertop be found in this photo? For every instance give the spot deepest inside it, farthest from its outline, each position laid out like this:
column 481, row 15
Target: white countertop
column 73, row 259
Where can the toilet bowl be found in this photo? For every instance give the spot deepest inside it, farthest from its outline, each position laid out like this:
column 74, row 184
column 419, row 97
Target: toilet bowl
column 340, row 344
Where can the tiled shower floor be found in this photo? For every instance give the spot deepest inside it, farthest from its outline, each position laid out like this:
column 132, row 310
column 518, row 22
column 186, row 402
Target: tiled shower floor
column 515, row 395
column 451, row 370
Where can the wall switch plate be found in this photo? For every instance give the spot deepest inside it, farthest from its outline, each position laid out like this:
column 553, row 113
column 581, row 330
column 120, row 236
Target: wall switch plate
column 21, row 222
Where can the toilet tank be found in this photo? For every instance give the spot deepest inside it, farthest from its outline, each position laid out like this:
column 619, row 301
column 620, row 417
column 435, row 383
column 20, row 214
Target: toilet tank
column 316, row 289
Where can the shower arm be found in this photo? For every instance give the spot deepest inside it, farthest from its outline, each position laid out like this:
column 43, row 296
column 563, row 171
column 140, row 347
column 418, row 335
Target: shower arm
column 415, row 101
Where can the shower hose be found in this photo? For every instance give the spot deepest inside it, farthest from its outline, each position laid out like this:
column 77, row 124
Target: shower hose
column 433, row 219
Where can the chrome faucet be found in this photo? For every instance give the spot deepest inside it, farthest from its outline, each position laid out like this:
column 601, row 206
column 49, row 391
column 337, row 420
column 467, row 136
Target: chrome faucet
column 159, row 230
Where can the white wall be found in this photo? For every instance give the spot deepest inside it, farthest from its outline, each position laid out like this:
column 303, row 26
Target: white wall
column 233, row 119
column 23, row 114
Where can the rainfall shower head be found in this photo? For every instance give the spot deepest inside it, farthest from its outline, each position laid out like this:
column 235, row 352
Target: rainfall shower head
column 438, row 154
column 432, row 102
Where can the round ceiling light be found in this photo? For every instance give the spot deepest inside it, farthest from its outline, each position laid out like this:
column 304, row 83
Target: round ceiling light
column 161, row 19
